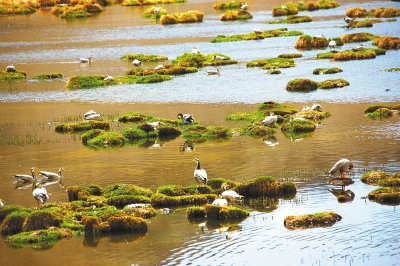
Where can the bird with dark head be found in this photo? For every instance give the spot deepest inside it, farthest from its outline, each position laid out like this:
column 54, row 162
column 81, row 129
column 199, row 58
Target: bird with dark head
column 186, row 118
column 10, row 68
column 342, row 166
column 200, row 174
column 26, row 178
column 50, row 176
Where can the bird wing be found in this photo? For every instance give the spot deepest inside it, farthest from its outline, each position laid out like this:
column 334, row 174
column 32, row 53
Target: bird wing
column 23, row 177
column 200, row 175
column 49, row 175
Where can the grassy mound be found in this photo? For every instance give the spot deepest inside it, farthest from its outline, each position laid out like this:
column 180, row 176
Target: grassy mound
column 272, row 63
column 236, row 15
column 294, row 19
column 283, row 32
column 48, row 76
column 322, row 71
column 83, row 126
column 144, row 57
column 387, row 42
column 4, row 75
column 298, row 126
column 227, row 5
column 332, row 83
column 319, row 219
column 374, row 177
column 307, row 42
column 358, row 37
column 301, row 85
column 385, row 195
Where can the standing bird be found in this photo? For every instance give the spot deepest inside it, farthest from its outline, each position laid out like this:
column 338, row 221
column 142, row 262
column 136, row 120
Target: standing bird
column 269, row 120
column 186, row 118
column 332, row 44
column 10, row 68
column 40, row 194
column 26, row 178
column 343, row 166
column 195, row 50
column 244, row 6
column 257, row 31
column 137, row 63
column 348, row 19
column 200, row 174
column 50, row 176
column 85, row 60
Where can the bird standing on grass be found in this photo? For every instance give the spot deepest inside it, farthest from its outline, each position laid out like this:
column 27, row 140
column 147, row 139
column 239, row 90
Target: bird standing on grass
column 200, row 174
column 40, row 194
column 195, row 50
column 269, row 120
column 343, row 166
column 186, row 118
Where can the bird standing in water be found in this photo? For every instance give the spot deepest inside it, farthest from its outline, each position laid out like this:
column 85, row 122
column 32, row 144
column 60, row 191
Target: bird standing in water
column 343, row 166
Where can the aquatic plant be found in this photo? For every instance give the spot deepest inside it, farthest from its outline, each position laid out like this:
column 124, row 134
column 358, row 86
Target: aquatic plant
column 48, row 76
column 373, row 177
column 224, row 212
column 301, row 85
column 82, row 126
column 282, row 32
column 307, row 42
column 227, row 5
column 260, row 186
column 127, row 224
column 14, row 222
column 206, row 132
column 195, row 212
column 192, row 16
column 357, row 12
column 290, row 55
column 321, row 71
column 4, row 75
column 161, row 200
column 385, row 12
column 358, row 37
column 134, row 117
column 107, row 140
column 333, row 83
column 296, row 126
column 236, row 15
column 83, row 81
column 361, row 24
column 386, row 42
column 319, row 219
column 272, row 63
column 382, row 112
column 144, row 57
column 22, row 8
column 385, row 195
column 294, row 19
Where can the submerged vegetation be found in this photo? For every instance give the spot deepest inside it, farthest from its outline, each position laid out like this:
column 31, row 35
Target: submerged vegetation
column 282, row 32
column 319, row 219
column 379, row 111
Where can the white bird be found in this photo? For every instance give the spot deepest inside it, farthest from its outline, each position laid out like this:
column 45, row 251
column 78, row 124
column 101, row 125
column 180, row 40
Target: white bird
column 220, row 202
column 218, row 57
column 195, row 50
column 257, row 31
column 40, row 194
column 160, row 66
column 230, row 195
column 200, row 174
column 155, row 124
column 343, row 166
column 50, row 176
column 348, row 19
column 91, row 112
column 85, row 60
column 1, row 203
column 109, row 78
column 358, row 48
column 10, row 68
column 186, row 118
column 316, row 107
column 244, row 7
column 156, row 10
column 96, row 116
column 319, row 36
column 332, row 44
column 26, row 178
column 306, row 108
column 271, row 141
column 137, row 63
column 214, row 72
column 284, row 6
column 269, row 120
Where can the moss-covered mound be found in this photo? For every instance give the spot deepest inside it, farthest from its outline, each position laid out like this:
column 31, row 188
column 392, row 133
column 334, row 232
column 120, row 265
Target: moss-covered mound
column 387, row 42
column 235, row 15
column 298, row 125
column 292, row 20
column 144, row 57
column 274, row 72
column 333, row 83
column 358, row 37
column 190, row 60
column 301, row 85
column 135, row 117
column 361, row 24
column 192, row 16
column 385, row 12
column 22, row 8
column 83, row 82
column 206, row 132
column 266, row 186
column 347, row 55
column 374, row 177
column 164, row 72
column 4, row 75
column 290, row 55
column 48, row 76
column 385, row 195
column 77, row 11
column 382, row 112
column 154, row 12
column 224, row 212
column 357, row 12
column 284, row 10
column 307, row 42
column 282, row 32
column 319, row 219
column 257, row 130
column 83, row 126
column 227, row 5
column 321, row 71
column 101, row 139
column 272, row 63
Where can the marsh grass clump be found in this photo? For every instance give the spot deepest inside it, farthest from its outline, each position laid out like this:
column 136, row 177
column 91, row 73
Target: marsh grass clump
column 77, row 11
column 4, row 75
column 358, row 37
column 42, row 219
column 373, row 108
column 192, row 16
column 282, row 32
column 235, row 15
column 206, row 132
column 381, row 112
column 83, row 81
column 292, row 20
column 328, row 4
column 357, row 12
column 134, row 117
column 161, row 200
column 144, row 57
column 14, row 222
column 127, row 224
column 387, row 42
column 297, row 126
column 83, row 126
column 301, row 85
column 361, row 24
column 260, row 186
column 151, row 14
column 319, row 219
column 195, row 212
column 225, row 212
column 290, row 55
column 385, row 12
column 307, row 42
column 22, row 8
column 284, row 10
column 48, row 76
column 272, row 63
column 321, row 71
column 227, row 5
column 168, row 20
column 125, row 189
column 287, row 189
column 107, row 140
column 257, row 130
column 368, row 53
column 333, row 83
column 374, row 177
column 85, row 137
column 91, row 225
column 277, row 108
column 274, row 72
column 190, row 60
column 122, row 200
column 385, row 195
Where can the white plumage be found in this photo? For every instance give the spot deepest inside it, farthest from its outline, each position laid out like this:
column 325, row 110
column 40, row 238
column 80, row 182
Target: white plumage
column 343, row 166
column 358, row 48
column 186, row 118
column 319, row 36
column 316, row 107
column 195, row 50
column 348, row 19
column 1, row 203
column 214, row 72
column 230, row 195
column 269, row 120
column 155, row 124
column 50, row 176
column 109, row 78
column 332, row 44
column 244, row 6
column 257, row 31
column 157, row 10
column 95, row 116
column 10, row 68
column 200, row 174
column 220, row 202
column 40, row 194
column 160, row 66
column 26, row 178
column 85, row 60
column 218, row 57
column 137, row 63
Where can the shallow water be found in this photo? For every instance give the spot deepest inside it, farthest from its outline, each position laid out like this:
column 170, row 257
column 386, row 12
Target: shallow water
column 29, row 109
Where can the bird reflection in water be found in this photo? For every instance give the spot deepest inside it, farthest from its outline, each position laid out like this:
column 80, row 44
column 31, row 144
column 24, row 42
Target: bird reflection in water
column 229, row 231
column 343, row 195
column 187, row 147
column 271, row 141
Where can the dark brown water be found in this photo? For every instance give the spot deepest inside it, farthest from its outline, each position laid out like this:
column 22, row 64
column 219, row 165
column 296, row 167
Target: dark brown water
column 41, row 43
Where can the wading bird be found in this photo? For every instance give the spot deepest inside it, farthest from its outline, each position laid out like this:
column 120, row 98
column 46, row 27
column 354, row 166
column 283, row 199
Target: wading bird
column 186, row 118
column 200, row 174
column 269, row 120
column 40, row 194
column 332, row 44
column 343, row 166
